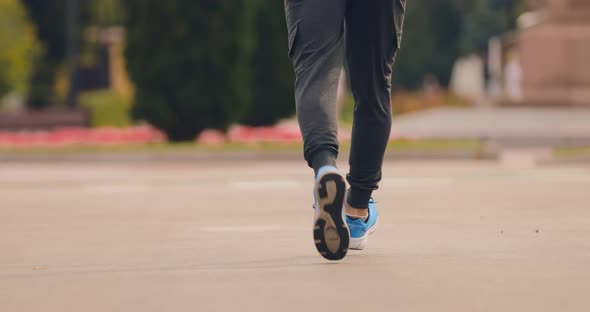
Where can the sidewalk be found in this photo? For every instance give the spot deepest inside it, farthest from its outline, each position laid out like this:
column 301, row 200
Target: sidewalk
column 503, row 126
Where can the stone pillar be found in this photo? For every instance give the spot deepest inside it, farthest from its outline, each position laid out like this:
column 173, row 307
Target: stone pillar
column 555, row 56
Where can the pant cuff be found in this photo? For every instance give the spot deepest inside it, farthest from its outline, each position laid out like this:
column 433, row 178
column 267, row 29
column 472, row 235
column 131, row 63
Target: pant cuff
column 359, row 198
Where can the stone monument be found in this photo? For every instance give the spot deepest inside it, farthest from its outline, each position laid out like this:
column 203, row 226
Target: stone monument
column 555, row 55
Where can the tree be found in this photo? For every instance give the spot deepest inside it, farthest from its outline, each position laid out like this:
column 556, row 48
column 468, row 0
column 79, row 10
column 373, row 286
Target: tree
column 49, row 20
column 273, row 77
column 431, row 43
column 48, row 17
column 18, row 48
column 488, row 18
column 190, row 62
column 437, row 33
column 106, row 12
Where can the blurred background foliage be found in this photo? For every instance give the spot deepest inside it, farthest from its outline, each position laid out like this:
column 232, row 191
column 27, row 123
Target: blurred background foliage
column 48, row 20
column 19, row 48
column 437, row 33
column 209, row 64
column 107, row 108
column 273, row 79
column 192, row 68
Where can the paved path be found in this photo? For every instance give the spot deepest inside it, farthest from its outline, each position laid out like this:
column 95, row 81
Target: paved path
column 454, row 236
column 531, row 126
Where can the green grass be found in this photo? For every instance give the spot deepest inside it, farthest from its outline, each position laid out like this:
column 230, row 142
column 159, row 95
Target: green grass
column 106, row 108
column 573, row 152
column 394, row 146
column 436, row 145
column 155, row 148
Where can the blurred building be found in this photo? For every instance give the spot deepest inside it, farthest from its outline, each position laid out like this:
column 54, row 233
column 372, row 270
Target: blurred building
column 554, row 54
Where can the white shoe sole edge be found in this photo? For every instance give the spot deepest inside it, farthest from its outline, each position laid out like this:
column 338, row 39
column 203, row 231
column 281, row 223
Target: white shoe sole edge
column 361, row 242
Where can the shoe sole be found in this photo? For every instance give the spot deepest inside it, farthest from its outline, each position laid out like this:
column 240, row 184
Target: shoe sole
column 330, row 233
column 361, row 242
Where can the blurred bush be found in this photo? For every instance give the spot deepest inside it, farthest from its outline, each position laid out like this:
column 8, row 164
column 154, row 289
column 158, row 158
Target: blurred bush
column 210, row 64
column 106, row 108
column 273, row 78
column 430, row 45
column 190, row 62
column 48, row 18
column 18, row 48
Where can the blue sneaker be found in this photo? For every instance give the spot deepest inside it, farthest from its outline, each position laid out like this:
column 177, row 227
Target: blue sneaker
column 360, row 231
column 330, row 232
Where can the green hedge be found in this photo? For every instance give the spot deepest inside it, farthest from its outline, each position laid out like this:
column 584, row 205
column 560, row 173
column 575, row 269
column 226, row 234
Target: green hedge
column 273, row 77
column 190, row 62
column 106, row 108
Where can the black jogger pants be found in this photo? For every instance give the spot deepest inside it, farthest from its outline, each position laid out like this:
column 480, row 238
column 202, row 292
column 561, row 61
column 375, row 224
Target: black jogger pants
column 318, row 49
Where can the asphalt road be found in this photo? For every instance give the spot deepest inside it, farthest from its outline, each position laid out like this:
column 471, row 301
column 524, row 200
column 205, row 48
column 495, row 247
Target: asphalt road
column 220, row 236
